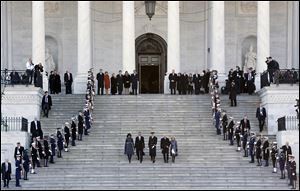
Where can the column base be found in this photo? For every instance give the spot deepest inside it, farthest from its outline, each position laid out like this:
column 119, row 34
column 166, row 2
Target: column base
column 45, row 82
column 167, row 85
column 80, row 84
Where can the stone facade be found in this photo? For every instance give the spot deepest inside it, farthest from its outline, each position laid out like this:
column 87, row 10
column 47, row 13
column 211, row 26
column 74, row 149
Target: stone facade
column 61, row 32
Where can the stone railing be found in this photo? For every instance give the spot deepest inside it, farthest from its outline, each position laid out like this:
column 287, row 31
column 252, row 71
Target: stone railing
column 288, row 123
column 14, row 124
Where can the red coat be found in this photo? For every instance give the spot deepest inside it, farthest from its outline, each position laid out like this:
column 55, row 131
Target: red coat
column 106, row 81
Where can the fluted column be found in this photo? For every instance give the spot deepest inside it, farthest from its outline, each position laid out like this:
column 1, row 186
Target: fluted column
column 217, row 36
column 128, row 36
column 84, row 46
column 38, row 38
column 263, row 38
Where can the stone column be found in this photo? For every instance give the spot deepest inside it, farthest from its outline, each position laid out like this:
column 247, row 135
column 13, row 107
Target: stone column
column 4, row 59
column 217, row 37
column 38, row 38
column 295, row 55
column 263, row 39
column 173, row 41
column 84, row 46
column 128, row 36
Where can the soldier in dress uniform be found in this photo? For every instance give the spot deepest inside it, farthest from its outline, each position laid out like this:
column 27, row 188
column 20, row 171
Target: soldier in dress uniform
column 274, row 156
column 237, row 134
column 251, row 146
column 244, row 141
column 258, row 151
column 224, row 125
column 282, row 161
column 266, row 151
column 230, row 130
column 293, row 172
column 152, row 146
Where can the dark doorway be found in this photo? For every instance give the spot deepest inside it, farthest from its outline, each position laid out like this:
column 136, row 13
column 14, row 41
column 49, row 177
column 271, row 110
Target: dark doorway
column 151, row 62
column 149, row 79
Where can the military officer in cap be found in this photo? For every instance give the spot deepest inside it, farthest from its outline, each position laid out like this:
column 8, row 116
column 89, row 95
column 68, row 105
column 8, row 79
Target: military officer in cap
column 266, row 151
column 258, row 151
column 244, row 141
column 230, row 130
column 251, row 146
column 152, row 146
column 293, row 172
column 282, row 161
column 274, row 156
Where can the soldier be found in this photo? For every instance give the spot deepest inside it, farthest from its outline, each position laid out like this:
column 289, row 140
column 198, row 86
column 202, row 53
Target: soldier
column 237, row 135
column 274, row 153
column 73, row 131
column 53, row 146
column 46, row 152
column 18, row 170
column 251, row 147
column 164, row 145
column 67, row 136
column 281, row 161
column 152, row 146
column 258, row 151
column 230, row 130
column 224, row 125
column 244, row 140
column 173, row 79
column 266, row 151
column 293, row 172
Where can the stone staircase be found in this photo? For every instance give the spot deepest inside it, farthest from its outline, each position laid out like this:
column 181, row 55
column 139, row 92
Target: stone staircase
column 205, row 161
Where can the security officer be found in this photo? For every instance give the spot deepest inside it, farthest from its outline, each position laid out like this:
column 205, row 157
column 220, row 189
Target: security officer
column 251, row 146
column 274, row 153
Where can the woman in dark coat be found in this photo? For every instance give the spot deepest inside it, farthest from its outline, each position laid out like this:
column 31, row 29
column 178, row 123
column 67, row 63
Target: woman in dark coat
column 60, row 143
column 126, row 81
column 26, row 164
column 73, row 130
column 174, row 149
column 80, row 126
column 113, row 81
column 129, row 147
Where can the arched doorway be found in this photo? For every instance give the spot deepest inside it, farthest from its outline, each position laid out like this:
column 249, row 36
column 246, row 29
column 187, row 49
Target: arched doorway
column 151, row 62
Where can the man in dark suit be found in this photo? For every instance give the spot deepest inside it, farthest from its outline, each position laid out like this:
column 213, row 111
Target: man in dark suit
column 232, row 94
column 164, row 145
column 46, row 103
column 272, row 67
column 173, row 79
column 139, row 146
column 134, row 81
column 6, row 172
column 18, row 151
column 120, row 82
column 245, row 123
column 68, row 78
column 35, row 128
column 152, row 146
column 100, row 78
column 261, row 116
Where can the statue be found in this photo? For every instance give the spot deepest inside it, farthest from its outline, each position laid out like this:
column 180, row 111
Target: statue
column 49, row 62
column 250, row 59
